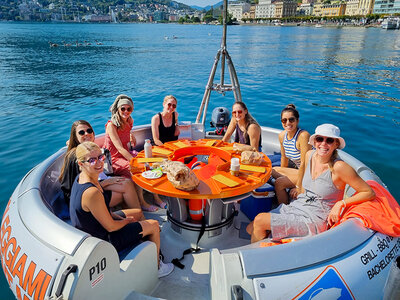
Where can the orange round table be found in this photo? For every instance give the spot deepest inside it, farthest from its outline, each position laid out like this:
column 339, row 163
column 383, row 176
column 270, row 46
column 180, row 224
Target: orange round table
column 216, row 181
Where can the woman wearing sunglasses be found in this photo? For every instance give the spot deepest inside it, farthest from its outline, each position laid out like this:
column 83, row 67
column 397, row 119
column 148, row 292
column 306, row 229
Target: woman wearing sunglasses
column 90, row 208
column 164, row 125
column 123, row 190
column 294, row 146
column 321, row 203
column 118, row 140
column 248, row 131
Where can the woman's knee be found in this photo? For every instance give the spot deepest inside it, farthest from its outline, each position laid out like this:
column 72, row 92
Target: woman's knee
column 262, row 221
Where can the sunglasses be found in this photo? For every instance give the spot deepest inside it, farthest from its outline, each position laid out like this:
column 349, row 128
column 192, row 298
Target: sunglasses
column 237, row 112
column 327, row 140
column 88, row 131
column 92, row 161
column 128, row 109
column 172, row 104
column 291, row 120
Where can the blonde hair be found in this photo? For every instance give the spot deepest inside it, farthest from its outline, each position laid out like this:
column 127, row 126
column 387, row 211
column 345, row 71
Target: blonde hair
column 166, row 98
column 83, row 149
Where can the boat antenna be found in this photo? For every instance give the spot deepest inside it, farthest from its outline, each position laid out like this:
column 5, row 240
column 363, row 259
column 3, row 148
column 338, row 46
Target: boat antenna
column 221, row 87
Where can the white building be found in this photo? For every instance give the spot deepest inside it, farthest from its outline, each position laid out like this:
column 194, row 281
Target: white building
column 265, row 9
column 237, row 9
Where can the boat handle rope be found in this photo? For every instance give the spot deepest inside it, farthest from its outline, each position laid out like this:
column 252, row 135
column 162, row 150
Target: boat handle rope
column 71, row 269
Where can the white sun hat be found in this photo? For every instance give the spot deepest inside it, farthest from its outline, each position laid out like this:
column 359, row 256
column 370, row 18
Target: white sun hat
column 328, row 130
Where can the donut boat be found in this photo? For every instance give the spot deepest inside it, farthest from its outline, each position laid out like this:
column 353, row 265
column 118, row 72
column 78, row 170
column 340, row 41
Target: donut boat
column 43, row 256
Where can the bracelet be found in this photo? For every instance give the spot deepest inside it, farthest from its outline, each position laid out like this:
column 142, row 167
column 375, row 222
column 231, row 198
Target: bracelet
column 344, row 202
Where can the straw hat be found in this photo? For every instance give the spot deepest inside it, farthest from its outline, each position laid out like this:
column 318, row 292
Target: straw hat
column 328, row 130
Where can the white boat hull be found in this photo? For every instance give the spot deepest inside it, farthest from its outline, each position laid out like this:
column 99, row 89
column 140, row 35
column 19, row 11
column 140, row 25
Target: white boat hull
column 38, row 248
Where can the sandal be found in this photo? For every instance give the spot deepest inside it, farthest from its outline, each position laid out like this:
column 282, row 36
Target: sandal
column 150, row 208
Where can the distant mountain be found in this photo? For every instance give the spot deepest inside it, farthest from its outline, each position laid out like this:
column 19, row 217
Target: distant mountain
column 207, row 8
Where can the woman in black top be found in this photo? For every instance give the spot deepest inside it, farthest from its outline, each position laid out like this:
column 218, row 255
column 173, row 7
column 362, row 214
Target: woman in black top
column 164, row 125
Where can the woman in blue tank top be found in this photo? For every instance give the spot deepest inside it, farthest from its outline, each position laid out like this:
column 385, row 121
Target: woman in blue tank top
column 248, row 131
column 321, row 202
column 294, row 146
column 164, row 125
column 90, row 210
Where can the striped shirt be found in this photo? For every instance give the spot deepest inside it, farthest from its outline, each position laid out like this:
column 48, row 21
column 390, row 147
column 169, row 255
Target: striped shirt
column 291, row 150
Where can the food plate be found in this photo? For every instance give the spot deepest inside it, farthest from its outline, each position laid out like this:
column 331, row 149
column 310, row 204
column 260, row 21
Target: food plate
column 152, row 174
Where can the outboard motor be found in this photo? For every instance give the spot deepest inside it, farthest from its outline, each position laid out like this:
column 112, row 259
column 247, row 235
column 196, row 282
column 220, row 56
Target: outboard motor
column 220, row 119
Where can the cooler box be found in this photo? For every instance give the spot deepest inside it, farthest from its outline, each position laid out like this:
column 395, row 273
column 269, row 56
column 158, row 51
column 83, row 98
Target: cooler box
column 259, row 201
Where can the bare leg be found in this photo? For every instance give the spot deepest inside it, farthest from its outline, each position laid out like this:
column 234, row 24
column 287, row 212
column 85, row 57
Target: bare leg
column 143, row 203
column 281, row 184
column 261, row 227
column 152, row 230
column 125, row 193
column 158, row 200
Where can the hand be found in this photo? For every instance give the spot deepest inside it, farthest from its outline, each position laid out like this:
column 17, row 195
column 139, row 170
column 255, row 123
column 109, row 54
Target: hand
column 130, row 219
column 335, row 213
column 113, row 180
column 294, row 192
column 133, row 140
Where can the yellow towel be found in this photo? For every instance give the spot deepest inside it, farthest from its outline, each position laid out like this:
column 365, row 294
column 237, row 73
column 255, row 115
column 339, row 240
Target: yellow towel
column 161, row 151
column 227, row 148
column 149, row 160
column 181, row 144
column 252, row 168
column 225, row 180
column 210, row 143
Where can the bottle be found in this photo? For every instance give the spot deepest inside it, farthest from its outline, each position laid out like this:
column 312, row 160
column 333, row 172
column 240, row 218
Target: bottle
column 235, row 166
column 147, row 149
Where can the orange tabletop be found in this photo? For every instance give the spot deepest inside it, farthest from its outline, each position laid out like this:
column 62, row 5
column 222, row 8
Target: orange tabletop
column 215, row 178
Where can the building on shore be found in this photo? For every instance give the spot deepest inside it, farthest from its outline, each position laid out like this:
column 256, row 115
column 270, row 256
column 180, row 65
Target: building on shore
column 285, row 8
column 329, row 10
column 386, row 7
column 237, row 9
column 265, row 9
column 359, row 7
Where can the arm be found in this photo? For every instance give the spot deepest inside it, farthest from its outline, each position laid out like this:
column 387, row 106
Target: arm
column 284, row 159
column 254, row 132
column 177, row 130
column 112, row 132
column 344, row 174
column 155, row 122
column 93, row 202
column 229, row 131
column 304, row 148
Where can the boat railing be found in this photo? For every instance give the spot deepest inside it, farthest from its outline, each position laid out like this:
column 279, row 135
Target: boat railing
column 259, row 260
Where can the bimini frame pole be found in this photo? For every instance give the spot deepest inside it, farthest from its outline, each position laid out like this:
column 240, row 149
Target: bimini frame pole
column 220, row 87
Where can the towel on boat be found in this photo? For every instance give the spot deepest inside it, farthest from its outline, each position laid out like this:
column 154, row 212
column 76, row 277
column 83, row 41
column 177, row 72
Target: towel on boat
column 381, row 214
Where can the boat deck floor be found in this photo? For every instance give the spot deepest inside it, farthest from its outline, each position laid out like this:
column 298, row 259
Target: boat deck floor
column 193, row 282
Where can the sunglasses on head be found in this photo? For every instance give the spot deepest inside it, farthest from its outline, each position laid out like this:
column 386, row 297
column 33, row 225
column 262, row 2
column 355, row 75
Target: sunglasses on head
column 172, row 104
column 92, row 161
column 88, row 131
column 291, row 120
column 237, row 112
column 128, row 109
column 328, row 140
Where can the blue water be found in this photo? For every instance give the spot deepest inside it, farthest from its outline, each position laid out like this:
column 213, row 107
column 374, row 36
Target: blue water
column 346, row 76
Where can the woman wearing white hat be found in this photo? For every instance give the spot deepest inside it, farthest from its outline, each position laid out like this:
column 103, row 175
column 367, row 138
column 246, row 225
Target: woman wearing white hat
column 321, row 201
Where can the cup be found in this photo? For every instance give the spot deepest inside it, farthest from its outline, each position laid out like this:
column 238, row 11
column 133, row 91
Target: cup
column 235, row 166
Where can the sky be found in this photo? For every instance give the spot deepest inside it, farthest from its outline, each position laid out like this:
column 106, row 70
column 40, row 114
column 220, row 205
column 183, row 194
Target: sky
column 201, row 3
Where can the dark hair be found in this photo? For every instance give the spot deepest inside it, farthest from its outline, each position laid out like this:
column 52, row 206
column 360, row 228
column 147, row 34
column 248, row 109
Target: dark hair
column 72, row 144
column 73, row 141
column 291, row 108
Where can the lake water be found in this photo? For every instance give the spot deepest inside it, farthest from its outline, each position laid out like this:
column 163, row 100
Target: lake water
column 345, row 76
